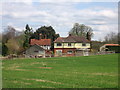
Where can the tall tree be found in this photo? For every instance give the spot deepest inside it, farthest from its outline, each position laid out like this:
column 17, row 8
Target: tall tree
column 46, row 32
column 4, row 49
column 20, row 40
column 12, row 46
column 82, row 30
column 111, row 37
column 28, row 32
column 8, row 33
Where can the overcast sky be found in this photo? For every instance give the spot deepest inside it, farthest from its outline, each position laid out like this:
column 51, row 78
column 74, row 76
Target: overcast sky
column 100, row 16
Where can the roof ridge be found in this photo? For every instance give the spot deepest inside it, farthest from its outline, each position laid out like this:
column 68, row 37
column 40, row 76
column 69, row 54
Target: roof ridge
column 72, row 39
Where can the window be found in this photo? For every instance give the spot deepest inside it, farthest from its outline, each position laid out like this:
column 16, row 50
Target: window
column 69, row 44
column 35, row 51
column 69, row 52
column 59, row 52
column 59, row 44
column 83, row 44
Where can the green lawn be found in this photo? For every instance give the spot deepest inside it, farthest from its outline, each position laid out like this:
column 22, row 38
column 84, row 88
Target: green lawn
column 61, row 72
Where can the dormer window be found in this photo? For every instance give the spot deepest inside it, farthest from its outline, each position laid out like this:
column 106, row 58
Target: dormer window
column 69, row 44
column 59, row 44
column 83, row 44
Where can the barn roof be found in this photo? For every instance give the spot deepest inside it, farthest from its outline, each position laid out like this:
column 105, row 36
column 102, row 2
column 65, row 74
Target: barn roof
column 72, row 38
column 40, row 42
column 37, row 46
column 112, row 45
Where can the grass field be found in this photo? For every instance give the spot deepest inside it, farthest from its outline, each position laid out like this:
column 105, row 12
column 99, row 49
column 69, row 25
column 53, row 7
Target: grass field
column 61, row 72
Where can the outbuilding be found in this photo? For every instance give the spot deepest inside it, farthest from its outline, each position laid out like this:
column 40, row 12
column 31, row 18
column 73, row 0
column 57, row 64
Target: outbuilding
column 110, row 47
column 35, row 51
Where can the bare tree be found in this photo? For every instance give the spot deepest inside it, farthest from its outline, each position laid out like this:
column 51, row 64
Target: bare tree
column 111, row 38
column 8, row 33
column 82, row 30
column 12, row 40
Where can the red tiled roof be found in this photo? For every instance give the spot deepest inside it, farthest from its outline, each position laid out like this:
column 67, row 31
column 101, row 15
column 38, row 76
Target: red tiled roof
column 112, row 45
column 59, row 39
column 40, row 42
column 71, row 39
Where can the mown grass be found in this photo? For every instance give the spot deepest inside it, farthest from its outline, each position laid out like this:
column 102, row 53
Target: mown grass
column 62, row 72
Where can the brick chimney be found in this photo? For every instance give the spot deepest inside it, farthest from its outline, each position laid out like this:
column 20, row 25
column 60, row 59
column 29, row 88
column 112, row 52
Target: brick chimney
column 45, row 36
column 70, row 34
column 40, row 36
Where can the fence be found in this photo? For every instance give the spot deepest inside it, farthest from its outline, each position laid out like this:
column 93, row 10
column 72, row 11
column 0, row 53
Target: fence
column 82, row 53
column 61, row 55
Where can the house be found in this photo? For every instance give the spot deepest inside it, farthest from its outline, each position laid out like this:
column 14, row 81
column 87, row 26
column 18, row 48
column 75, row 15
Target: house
column 44, row 43
column 110, row 47
column 35, row 51
column 71, row 45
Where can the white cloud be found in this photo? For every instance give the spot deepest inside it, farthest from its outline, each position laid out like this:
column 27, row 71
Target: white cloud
column 61, row 16
column 28, row 2
column 56, row 1
column 108, row 13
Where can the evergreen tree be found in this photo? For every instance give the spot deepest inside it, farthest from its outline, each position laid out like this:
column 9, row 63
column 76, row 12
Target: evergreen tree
column 4, row 49
column 46, row 32
column 28, row 33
